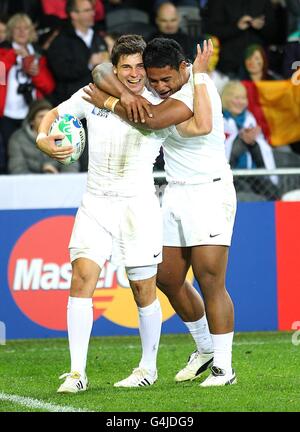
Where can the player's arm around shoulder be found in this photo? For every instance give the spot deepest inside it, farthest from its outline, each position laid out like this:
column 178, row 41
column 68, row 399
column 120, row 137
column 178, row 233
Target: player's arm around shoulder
column 168, row 113
column 201, row 123
column 135, row 106
column 165, row 114
column 46, row 143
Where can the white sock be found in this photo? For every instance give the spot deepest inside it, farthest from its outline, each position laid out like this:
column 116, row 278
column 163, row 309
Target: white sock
column 223, row 351
column 80, row 322
column 201, row 335
column 150, row 319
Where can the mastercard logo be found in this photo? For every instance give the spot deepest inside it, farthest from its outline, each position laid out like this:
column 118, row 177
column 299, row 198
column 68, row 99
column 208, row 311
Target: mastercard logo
column 39, row 276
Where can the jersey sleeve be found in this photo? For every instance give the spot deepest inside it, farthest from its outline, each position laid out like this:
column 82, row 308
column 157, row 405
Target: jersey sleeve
column 75, row 105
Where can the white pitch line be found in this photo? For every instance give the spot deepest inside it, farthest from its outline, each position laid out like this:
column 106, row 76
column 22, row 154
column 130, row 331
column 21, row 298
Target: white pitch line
column 162, row 345
column 276, row 342
column 35, row 403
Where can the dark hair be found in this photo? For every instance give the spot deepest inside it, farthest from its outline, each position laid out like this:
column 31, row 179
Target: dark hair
column 127, row 45
column 250, row 50
column 162, row 52
column 71, row 6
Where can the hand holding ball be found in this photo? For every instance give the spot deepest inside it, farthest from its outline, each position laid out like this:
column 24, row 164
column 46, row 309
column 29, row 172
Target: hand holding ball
column 73, row 130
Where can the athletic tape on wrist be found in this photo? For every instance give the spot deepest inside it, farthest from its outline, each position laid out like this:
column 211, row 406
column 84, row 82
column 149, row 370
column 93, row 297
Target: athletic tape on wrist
column 110, row 103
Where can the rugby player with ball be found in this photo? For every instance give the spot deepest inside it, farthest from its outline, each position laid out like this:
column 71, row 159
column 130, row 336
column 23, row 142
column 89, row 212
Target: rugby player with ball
column 119, row 218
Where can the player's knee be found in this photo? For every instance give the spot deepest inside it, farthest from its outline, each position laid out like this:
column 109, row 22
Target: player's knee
column 81, row 283
column 143, row 293
column 143, row 283
column 211, row 283
column 137, row 287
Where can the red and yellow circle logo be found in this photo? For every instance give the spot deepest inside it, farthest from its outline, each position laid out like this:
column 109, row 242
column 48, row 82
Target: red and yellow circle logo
column 39, row 272
column 39, row 276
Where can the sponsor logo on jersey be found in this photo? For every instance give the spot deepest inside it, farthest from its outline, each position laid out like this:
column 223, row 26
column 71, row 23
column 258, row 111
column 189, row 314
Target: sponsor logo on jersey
column 101, row 112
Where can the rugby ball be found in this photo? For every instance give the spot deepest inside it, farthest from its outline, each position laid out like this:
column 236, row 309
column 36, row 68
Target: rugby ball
column 74, row 133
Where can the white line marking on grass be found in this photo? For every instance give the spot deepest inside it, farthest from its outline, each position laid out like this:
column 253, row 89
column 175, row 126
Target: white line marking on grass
column 38, row 404
column 274, row 342
column 162, row 345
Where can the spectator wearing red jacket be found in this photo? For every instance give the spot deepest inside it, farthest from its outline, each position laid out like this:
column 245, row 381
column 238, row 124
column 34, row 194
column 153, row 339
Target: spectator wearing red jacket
column 27, row 77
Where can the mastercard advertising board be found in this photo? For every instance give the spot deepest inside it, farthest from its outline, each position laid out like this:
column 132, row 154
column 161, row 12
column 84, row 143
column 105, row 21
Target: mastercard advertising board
column 39, row 276
column 35, row 272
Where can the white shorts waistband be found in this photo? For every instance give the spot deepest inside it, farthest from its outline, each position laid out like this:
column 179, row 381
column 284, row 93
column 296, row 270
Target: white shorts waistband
column 212, row 179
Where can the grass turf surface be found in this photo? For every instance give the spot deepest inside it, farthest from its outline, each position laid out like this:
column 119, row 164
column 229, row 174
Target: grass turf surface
column 267, row 367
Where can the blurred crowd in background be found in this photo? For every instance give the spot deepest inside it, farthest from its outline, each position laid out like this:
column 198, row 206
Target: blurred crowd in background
column 48, row 49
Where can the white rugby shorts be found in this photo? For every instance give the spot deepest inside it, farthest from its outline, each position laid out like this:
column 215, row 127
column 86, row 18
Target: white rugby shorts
column 125, row 231
column 201, row 214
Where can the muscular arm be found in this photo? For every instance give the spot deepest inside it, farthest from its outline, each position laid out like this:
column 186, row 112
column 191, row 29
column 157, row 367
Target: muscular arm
column 201, row 122
column 169, row 112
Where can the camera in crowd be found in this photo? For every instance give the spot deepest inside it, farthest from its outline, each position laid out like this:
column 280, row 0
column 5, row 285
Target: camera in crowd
column 25, row 86
column 26, row 89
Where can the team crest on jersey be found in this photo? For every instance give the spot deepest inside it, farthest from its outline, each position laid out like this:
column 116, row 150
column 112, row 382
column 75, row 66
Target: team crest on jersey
column 101, row 112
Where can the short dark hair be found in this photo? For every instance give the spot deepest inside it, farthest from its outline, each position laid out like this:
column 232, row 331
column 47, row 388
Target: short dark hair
column 127, row 45
column 71, row 6
column 162, row 52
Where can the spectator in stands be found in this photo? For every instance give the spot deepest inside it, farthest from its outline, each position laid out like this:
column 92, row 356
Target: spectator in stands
column 255, row 66
column 55, row 14
column 239, row 23
column 76, row 50
column 27, row 76
column 23, row 155
column 2, row 30
column 245, row 144
column 168, row 26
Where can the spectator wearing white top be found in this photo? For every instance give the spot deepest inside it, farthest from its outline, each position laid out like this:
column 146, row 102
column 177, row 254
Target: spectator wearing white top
column 27, row 76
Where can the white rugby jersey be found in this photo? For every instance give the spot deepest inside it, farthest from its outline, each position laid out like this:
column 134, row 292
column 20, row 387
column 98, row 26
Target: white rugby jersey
column 197, row 159
column 121, row 157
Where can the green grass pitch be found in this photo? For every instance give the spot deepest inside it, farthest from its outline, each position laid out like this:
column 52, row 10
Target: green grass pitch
column 267, row 367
